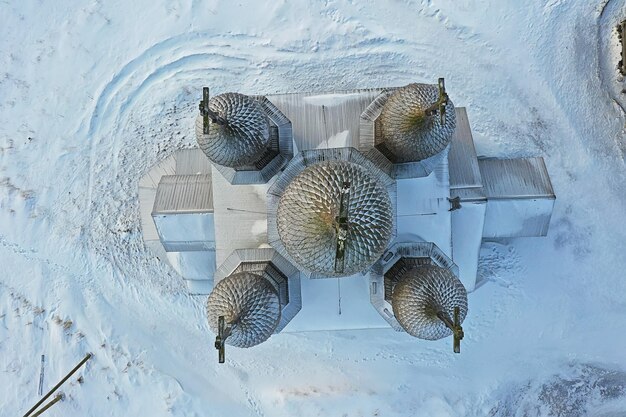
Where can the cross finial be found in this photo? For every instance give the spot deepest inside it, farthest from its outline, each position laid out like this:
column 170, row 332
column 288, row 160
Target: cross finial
column 220, row 339
column 341, row 225
column 440, row 104
column 207, row 113
column 457, row 330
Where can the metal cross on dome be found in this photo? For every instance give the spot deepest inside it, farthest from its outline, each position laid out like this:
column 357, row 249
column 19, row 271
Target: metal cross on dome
column 440, row 104
column 457, row 330
column 220, row 339
column 207, row 113
column 342, row 226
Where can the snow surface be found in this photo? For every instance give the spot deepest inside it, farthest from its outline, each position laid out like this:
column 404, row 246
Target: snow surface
column 93, row 94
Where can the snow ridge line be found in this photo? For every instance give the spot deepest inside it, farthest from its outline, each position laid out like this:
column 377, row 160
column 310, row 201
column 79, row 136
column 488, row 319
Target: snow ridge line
column 606, row 23
column 182, row 51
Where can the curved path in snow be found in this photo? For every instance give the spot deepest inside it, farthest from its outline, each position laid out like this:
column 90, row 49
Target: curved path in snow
column 71, row 243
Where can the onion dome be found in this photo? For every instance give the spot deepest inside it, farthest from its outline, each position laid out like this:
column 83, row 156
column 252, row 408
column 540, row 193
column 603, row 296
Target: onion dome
column 241, row 137
column 250, row 306
column 423, row 292
column 409, row 129
column 310, row 213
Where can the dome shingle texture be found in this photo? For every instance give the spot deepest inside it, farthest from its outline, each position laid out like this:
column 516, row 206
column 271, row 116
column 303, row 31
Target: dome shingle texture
column 423, row 291
column 243, row 140
column 407, row 132
column 250, row 302
column 307, row 218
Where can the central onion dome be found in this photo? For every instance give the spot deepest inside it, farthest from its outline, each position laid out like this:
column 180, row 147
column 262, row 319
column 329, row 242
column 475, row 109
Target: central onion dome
column 309, row 211
column 250, row 306
column 408, row 131
column 421, row 293
column 243, row 139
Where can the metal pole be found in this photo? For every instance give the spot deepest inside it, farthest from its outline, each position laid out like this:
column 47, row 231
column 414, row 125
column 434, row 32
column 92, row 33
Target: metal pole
column 220, row 339
column 341, row 227
column 59, row 397
column 623, row 33
column 45, row 397
column 339, row 293
column 246, row 211
column 458, row 332
column 43, row 360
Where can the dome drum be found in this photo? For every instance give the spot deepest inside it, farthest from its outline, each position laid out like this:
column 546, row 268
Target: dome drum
column 256, row 144
column 397, row 259
column 393, row 275
column 406, row 127
column 249, row 306
column 331, row 212
column 268, row 271
column 280, row 273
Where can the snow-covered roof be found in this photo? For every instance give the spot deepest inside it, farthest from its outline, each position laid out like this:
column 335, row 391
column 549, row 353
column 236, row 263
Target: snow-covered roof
column 463, row 162
column 515, row 178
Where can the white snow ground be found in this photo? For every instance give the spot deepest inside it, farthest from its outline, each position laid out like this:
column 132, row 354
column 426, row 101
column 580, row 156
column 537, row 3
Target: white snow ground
column 92, row 95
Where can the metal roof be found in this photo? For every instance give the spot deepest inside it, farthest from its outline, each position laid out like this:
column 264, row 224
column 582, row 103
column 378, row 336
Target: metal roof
column 407, row 133
column 183, row 194
column 299, row 164
column 316, row 117
column 250, row 306
column 421, row 293
column 254, row 259
column 277, row 154
column 515, row 178
column 244, row 138
column 464, row 171
column 309, row 209
column 192, row 162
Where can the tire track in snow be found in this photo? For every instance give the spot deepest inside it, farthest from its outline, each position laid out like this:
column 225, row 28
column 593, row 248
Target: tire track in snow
column 111, row 99
column 162, row 69
column 177, row 58
column 132, row 98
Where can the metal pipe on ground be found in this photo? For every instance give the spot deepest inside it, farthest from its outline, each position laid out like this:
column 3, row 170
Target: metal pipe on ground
column 56, row 399
column 40, row 388
column 45, row 397
column 621, row 30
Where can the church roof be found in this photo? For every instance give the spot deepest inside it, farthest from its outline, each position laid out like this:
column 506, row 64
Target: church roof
column 309, row 211
column 421, row 293
column 250, row 306
column 243, row 139
column 408, row 133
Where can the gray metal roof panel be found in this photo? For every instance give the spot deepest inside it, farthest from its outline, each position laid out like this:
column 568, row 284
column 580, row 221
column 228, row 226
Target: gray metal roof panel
column 516, row 178
column 464, row 171
column 316, row 117
column 184, row 194
column 192, row 162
